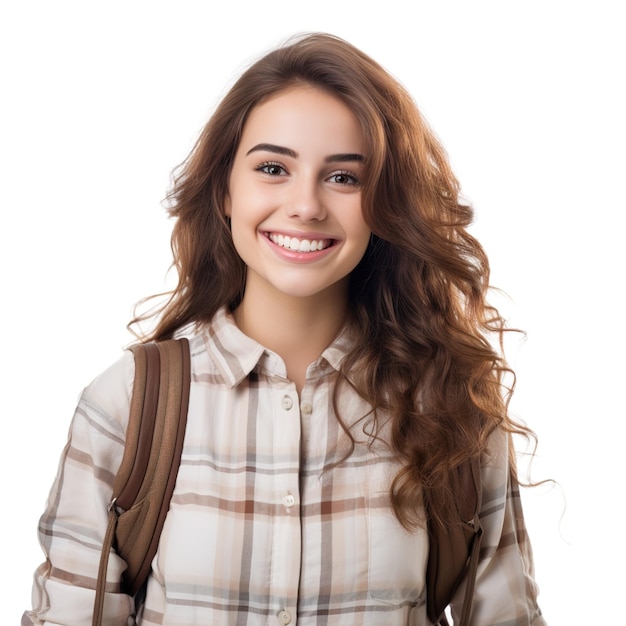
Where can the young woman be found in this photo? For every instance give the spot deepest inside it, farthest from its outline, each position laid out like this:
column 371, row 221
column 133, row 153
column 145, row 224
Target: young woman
column 341, row 371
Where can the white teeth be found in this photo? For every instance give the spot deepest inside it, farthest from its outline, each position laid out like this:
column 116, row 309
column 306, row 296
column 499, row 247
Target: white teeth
column 299, row 245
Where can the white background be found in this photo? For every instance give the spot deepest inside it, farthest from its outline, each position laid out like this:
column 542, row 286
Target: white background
column 100, row 101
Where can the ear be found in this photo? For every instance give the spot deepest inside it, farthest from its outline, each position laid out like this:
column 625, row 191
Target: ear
column 227, row 208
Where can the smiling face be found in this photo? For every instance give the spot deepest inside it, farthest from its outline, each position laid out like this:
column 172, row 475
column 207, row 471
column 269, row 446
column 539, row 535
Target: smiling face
column 295, row 197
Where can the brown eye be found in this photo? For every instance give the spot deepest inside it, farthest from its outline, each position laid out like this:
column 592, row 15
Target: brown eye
column 272, row 169
column 343, row 178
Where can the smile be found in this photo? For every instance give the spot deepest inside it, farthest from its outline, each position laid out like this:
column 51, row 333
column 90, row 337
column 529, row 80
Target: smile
column 299, row 245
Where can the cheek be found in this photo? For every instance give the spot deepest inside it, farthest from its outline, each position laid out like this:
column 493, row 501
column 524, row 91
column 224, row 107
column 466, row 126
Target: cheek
column 359, row 241
column 242, row 248
column 359, row 229
column 364, row 241
column 237, row 233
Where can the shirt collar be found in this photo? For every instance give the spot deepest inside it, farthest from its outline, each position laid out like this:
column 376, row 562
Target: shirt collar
column 339, row 348
column 235, row 354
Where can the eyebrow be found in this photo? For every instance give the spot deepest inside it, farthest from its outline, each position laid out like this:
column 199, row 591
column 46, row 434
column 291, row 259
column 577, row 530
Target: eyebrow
column 332, row 158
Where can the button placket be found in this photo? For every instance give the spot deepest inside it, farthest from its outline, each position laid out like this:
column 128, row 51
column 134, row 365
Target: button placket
column 286, row 539
column 288, row 502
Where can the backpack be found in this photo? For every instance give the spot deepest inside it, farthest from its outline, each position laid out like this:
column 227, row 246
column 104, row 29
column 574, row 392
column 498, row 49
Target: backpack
column 145, row 482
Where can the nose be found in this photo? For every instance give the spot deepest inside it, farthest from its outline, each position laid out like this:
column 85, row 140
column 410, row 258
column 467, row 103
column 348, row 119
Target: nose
column 305, row 200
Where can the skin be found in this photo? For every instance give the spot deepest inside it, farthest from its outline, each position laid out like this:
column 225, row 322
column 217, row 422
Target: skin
column 297, row 173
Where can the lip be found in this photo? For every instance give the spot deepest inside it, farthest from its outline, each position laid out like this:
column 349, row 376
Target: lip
column 296, row 256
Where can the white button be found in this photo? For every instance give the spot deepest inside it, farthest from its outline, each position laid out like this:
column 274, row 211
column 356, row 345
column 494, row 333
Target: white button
column 284, row 617
column 287, row 403
column 306, row 408
column 289, row 501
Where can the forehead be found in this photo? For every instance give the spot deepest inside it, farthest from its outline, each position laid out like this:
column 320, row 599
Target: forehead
column 304, row 115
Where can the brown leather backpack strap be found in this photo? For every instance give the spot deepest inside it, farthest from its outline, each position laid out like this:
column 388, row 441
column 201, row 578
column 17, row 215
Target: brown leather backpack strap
column 138, row 406
column 102, row 570
column 454, row 549
column 145, row 499
column 470, row 578
column 141, row 423
column 145, row 481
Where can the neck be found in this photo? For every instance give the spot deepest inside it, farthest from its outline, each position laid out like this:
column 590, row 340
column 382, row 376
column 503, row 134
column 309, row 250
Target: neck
column 297, row 329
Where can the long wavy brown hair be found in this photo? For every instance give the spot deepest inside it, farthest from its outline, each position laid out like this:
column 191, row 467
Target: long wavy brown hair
column 424, row 346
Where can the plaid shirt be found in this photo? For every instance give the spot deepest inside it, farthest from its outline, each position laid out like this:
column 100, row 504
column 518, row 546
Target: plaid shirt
column 263, row 529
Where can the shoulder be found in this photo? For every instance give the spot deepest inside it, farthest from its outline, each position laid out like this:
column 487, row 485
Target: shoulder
column 497, row 449
column 495, row 466
column 109, row 393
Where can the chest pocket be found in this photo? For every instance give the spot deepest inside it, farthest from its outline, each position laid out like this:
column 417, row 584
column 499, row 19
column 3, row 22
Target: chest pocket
column 397, row 557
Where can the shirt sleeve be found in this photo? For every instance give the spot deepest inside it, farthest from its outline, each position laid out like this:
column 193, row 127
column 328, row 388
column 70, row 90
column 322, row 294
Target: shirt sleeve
column 72, row 528
column 506, row 592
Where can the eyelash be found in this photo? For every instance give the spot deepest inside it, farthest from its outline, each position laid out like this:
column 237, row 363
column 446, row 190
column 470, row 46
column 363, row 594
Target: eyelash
column 263, row 167
column 266, row 165
column 354, row 179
